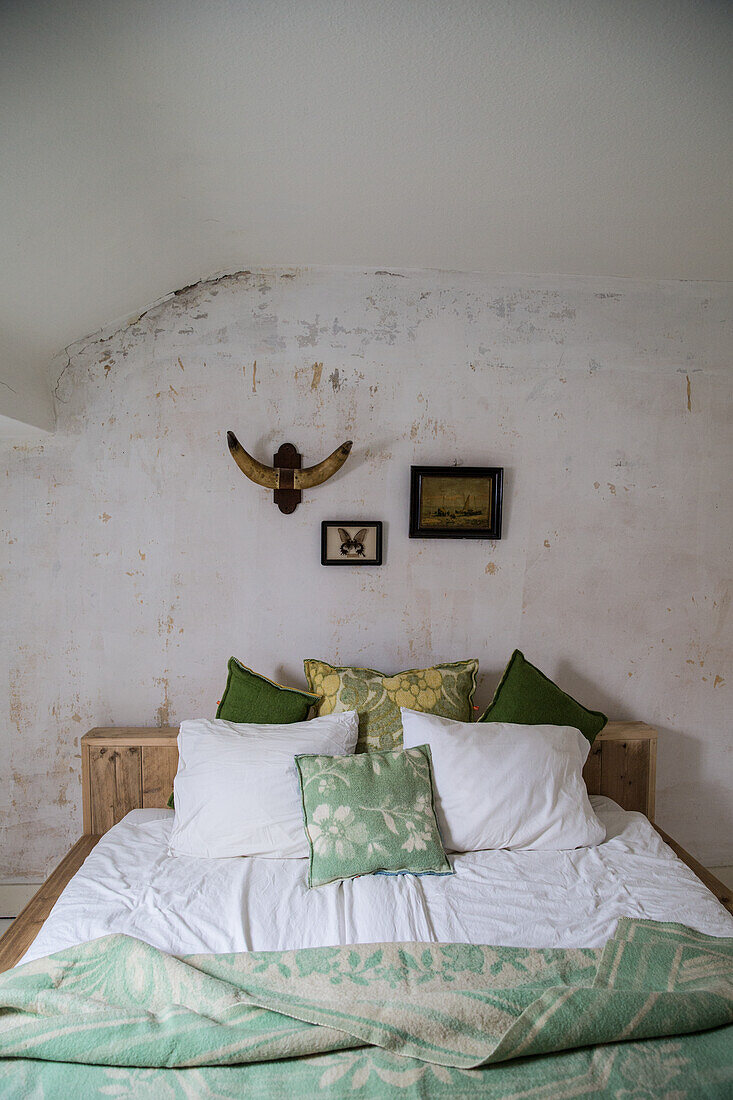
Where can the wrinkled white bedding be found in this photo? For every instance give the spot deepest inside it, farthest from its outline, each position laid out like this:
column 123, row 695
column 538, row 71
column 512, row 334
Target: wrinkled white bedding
column 183, row 905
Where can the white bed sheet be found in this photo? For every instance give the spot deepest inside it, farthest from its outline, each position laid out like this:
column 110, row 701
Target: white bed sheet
column 182, row 905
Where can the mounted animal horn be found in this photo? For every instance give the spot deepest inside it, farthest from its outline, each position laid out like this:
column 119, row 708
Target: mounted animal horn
column 285, row 477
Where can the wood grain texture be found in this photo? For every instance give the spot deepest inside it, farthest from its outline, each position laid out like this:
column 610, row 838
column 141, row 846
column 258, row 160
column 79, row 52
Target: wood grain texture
column 27, row 924
column 86, row 788
column 159, row 766
column 130, row 735
column 625, row 773
column 163, row 735
column 116, row 784
column 652, row 800
column 592, row 769
column 627, row 731
column 722, row 892
column 624, row 768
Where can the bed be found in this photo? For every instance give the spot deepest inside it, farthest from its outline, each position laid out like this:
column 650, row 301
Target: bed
column 185, row 906
column 566, row 924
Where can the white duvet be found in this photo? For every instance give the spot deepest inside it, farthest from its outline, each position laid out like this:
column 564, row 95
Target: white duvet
column 184, row 905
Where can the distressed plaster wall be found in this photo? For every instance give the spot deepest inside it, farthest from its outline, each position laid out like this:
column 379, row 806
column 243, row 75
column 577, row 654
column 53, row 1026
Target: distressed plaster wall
column 135, row 557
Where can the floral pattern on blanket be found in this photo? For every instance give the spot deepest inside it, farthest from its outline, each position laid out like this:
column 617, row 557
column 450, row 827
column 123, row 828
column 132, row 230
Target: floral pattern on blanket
column 370, row 812
column 655, row 1070
column 642, row 1019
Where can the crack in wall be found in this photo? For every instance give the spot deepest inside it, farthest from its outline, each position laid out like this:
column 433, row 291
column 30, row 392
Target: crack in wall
column 56, row 395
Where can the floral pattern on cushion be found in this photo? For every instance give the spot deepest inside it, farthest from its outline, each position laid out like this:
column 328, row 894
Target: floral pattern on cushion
column 446, row 690
column 370, row 813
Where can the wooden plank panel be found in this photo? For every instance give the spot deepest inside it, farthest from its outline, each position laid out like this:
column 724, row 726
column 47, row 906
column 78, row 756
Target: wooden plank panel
column 86, row 789
column 652, row 800
column 131, row 735
column 622, row 765
column 722, row 892
column 163, row 735
column 160, row 764
column 592, row 769
column 116, row 784
column 625, row 773
column 27, row 924
column 627, row 731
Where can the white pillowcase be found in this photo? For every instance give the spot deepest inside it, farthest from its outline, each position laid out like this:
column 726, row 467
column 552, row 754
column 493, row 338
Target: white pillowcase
column 236, row 789
column 500, row 785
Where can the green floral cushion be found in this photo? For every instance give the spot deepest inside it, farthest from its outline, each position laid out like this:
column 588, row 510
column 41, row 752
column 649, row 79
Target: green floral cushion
column 447, row 690
column 370, row 813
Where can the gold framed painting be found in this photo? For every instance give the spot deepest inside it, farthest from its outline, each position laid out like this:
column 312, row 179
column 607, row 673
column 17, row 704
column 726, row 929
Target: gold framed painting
column 456, row 502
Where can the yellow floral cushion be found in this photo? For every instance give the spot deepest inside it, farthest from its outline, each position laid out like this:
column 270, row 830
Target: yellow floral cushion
column 443, row 689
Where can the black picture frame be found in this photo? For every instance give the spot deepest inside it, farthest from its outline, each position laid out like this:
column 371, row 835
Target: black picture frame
column 350, row 556
column 482, row 521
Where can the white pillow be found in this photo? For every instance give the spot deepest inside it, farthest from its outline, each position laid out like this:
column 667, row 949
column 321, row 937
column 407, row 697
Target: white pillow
column 500, row 785
column 236, row 789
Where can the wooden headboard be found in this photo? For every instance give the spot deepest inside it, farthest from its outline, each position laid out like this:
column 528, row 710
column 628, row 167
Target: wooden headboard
column 126, row 768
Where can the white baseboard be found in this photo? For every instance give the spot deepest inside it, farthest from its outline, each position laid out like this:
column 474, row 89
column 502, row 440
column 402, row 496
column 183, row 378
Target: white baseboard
column 14, row 896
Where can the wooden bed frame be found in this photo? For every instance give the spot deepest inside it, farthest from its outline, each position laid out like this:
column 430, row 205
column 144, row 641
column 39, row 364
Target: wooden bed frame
column 126, row 768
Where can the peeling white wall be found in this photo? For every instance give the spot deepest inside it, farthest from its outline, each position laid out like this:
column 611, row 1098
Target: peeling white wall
column 135, row 557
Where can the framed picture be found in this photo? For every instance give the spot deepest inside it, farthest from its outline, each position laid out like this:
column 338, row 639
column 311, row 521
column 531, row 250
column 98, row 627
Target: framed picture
column 456, row 502
column 351, row 542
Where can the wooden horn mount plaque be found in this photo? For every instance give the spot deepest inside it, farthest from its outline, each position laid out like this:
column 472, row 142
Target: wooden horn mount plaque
column 287, row 459
column 287, row 478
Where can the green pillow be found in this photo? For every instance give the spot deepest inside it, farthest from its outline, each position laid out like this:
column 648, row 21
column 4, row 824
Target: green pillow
column 526, row 696
column 249, row 697
column 370, row 813
column 446, row 690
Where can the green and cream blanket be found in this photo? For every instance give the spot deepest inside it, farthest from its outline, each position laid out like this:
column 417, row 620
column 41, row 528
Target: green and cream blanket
column 647, row 1016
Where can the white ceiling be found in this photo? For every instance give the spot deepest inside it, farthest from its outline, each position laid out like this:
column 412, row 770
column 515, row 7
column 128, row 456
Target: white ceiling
column 149, row 143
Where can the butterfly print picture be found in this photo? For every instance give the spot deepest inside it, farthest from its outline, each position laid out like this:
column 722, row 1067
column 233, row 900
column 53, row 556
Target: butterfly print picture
column 351, row 545
column 345, row 543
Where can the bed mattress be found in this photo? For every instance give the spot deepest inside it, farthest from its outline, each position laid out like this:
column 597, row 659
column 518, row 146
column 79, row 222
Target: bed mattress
column 131, row 884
